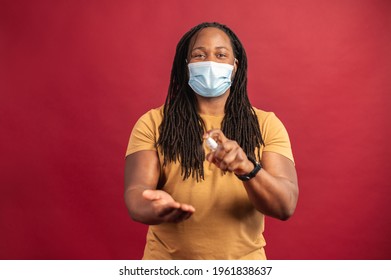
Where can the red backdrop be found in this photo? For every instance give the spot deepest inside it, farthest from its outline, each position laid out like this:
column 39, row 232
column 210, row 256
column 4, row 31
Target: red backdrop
column 76, row 75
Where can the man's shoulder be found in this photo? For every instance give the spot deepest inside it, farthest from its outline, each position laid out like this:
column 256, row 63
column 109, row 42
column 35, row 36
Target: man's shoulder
column 262, row 114
column 155, row 114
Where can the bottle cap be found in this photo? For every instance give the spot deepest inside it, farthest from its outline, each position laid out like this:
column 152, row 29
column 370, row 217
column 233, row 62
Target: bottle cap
column 212, row 144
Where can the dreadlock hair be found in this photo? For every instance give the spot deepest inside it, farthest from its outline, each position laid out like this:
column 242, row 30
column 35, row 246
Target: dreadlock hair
column 182, row 128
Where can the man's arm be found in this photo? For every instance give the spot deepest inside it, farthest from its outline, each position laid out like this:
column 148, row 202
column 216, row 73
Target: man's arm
column 146, row 204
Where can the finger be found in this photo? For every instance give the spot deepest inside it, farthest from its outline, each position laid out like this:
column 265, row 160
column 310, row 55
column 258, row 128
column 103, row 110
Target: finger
column 209, row 157
column 181, row 215
column 188, row 215
column 221, row 152
column 168, row 209
column 187, row 208
column 151, row 195
column 232, row 160
column 173, row 216
column 216, row 134
column 225, row 154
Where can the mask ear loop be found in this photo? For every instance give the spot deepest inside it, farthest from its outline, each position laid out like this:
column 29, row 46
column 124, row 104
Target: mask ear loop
column 234, row 70
column 236, row 63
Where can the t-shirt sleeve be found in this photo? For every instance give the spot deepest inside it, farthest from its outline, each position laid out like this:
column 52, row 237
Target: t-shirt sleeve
column 276, row 137
column 143, row 135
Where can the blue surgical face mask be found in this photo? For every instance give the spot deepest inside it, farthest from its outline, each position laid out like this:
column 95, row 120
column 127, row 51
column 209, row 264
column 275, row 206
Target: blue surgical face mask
column 210, row 79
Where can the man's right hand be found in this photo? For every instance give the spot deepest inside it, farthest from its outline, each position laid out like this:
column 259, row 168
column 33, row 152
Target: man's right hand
column 166, row 208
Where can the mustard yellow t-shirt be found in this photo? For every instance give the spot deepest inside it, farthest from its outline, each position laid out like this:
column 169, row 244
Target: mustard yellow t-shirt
column 225, row 224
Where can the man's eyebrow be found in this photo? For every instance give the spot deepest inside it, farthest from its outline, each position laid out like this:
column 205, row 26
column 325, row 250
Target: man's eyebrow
column 222, row 47
column 203, row 48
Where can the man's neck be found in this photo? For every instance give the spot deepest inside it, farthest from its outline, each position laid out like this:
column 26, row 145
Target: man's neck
column 212, row 106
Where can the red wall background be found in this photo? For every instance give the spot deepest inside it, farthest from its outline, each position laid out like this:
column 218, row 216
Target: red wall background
column 76, row 75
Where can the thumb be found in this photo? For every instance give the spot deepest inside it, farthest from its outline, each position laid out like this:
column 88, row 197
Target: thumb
column 151, row 195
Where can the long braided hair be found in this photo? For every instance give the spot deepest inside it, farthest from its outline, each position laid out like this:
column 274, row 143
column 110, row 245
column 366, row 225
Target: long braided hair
column 182, row 128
